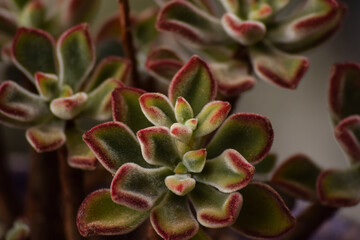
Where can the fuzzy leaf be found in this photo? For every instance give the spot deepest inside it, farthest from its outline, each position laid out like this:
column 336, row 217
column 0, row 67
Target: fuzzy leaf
column 46, row 138
column 249, row 134
column 183, row 110
column 79, row 11
column 195, row 83
column 99, row 215
column 76, row 54
column 195, row 160
column 21, row 105
column 158, row 109
column 264, row 214
column 311, row 25
column 8, row 23
column 126, row 108
column 347, row 132
column 339, row 188
column 19, row 231
column 229, row 172
column 180, row 184
column 181, row 132
column 297, row 177
column 163, row 64
column 138, row 188
column 211, row 117
column 233, row 77
column 267, row 164
column 98, row 105
column 145, row 32
column 344, row 97
column 190, row 22
column 278, row 68
column 33, row 15
column 110, row 67
column 172, row 219
column 69, row 107
column 246, row 33
column 79, row 154
column 158, row 147
column 46, row 85
column 215, row 209
column 33, row 51
column 114, row 144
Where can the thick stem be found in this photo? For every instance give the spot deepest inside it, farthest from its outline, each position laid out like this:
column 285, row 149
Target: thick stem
column 10, row 206
column 127, row 39
column 310, row 221
column 72, row 194
column 43, row 199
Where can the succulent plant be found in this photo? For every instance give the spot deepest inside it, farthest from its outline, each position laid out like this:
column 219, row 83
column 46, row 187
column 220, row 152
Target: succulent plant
column 60, row 74
column 193, row 156
column 243, row 36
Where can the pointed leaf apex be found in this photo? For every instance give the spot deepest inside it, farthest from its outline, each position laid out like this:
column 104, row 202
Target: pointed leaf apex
column 183, row 110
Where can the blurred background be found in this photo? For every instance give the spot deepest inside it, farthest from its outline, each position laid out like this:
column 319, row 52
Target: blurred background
column 300, row 118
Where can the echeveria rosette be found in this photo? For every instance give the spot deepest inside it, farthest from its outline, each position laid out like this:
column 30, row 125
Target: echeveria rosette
column 341, row 187
column 165, row 169
column 59, row 71
column 254, row 29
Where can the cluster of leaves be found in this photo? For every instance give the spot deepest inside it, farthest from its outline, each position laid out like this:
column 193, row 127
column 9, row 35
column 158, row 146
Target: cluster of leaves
column 242, row 37
column 184, row 159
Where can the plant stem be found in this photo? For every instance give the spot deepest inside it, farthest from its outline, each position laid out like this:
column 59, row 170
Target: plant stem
column 127, row 39
column 71, row 181
column 44, row 206
column 311, row 220
column 10, row 207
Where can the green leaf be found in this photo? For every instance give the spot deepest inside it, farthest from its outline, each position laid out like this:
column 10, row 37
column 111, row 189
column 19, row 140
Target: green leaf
column 138, row 188
column 310, row 26
column 33, row 15
column 339, row 188
column 21, row 105
column 76, row 54
column 163, row 64
column 19, row 231
column 98, row 105
column 158, row 147
column 344, row 97
column 99, row 215
column 172, row 218
column 46, row 138
column 211, row 117
column 264, row 214
column 228, row 172
column 183, row 110
column 247, row 33
column 145, row 32
column 195, row 83
column 180, row 184
column 347, row 132
column 249, row 134
column 47, row 85
column 266, row 165
column 278, row 68
column 195, row 160
column 79, row 154
column 110, row 67
column 215, row 209
column 79, row 11
column 158, row 109
column 21, row 3
column 185, row 19
column 297, row 176
column 33, row 51
column 126, row 108
column 114, row 144
column 69, row 107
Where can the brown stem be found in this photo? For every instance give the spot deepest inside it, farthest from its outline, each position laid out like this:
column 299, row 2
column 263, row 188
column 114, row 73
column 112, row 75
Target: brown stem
column 127, row 39
column 10, row 206
column 43, row 199
column 71, row 181
column 311, row 220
